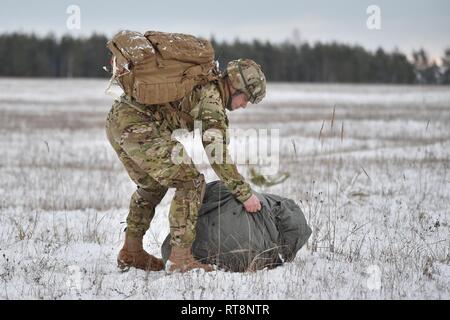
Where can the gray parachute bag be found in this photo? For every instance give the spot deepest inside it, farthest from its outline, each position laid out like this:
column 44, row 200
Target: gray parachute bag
column 235, row 240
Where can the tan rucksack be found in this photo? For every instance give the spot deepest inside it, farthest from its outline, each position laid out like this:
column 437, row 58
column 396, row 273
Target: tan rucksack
column 159, row 67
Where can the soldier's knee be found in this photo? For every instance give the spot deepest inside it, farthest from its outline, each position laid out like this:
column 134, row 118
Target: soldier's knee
column 200, row 185
column 152, row 198
column 193, row 189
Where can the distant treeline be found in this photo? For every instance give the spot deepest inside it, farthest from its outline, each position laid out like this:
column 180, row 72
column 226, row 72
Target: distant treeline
column 26, row 55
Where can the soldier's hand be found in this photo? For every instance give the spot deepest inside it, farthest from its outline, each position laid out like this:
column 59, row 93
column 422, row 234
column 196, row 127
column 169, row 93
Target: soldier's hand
column 252, row 204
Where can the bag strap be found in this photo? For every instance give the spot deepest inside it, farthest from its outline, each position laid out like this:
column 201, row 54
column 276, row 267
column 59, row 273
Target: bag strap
column 187, row 118
column 139, row 107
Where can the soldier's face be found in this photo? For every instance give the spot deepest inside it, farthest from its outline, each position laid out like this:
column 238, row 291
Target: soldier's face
column 239, row 101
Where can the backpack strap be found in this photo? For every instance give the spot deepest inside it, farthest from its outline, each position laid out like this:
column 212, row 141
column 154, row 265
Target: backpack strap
column 154, row 115
column 172, row 107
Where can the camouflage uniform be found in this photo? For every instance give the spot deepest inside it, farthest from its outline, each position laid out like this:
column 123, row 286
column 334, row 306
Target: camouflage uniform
column 141, row 136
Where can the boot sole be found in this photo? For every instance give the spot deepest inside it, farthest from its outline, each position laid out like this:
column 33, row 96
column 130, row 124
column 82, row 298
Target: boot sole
column 124, row 267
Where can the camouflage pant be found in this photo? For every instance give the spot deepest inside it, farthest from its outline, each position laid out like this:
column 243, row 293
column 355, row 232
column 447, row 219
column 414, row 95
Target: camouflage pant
column 144, row 146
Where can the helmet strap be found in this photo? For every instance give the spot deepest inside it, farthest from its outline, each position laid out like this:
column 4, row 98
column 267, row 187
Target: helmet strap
column 252, row 97
column 230, row 96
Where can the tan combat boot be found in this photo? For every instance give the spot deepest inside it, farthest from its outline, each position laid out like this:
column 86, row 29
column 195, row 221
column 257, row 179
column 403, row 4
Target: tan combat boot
column 133, row 255
column 181, row 260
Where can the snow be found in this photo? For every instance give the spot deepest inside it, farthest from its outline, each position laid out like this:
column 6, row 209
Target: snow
column 360, row 94
column 376, row 195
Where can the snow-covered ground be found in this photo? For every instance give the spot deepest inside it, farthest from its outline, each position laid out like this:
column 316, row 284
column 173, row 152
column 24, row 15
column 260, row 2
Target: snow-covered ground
column 369, row 165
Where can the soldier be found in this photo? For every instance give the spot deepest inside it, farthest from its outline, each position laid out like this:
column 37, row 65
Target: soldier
column 141, row 135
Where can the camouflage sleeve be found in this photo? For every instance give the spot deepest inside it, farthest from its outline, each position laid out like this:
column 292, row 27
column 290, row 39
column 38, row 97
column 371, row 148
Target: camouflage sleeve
column 215, row 141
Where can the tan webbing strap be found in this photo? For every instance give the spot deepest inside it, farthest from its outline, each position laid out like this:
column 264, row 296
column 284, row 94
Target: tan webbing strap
column 138, row 107
column 186, row 117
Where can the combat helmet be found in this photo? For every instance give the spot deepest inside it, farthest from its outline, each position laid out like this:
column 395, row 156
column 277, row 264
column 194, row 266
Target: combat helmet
column 247, row 76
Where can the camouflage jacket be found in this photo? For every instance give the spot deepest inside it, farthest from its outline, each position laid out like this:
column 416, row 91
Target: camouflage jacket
column 207, row 104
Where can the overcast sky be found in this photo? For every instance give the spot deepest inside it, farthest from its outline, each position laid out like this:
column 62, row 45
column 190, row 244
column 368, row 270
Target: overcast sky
column 405, row 24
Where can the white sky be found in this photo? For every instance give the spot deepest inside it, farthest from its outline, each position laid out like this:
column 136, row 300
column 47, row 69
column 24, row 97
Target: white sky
column 405, row 25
